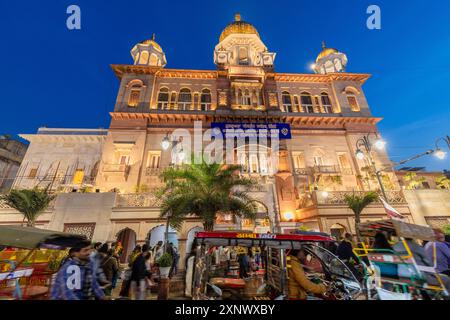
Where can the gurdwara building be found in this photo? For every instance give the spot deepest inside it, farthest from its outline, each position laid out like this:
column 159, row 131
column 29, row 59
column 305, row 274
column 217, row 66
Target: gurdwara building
column 106, row 177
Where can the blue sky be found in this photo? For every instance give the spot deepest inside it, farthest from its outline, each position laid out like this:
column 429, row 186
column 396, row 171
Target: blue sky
column 59, row 78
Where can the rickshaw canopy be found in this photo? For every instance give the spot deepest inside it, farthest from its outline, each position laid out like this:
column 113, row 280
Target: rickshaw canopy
column 399, row 229
column 243, row 239
column 32, row 238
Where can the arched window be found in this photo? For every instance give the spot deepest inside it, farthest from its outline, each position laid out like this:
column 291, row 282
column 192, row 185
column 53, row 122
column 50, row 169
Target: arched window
column 153, row 60
column 143, row 59
column 307, row 102
column 184, row 99
column 326, row 103
column 287, row 101
column 205, row 100
column 163, row 99
column 134, row 96
column 353, row 102
column 246, row 98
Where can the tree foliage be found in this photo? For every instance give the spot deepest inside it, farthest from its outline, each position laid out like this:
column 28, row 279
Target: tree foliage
column 357, row 204
column 205, row 190
column 31, row 203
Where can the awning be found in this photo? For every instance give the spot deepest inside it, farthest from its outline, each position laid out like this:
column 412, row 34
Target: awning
column 31, row 238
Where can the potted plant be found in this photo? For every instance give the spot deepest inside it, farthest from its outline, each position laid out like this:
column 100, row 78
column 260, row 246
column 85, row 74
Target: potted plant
column 165, row 263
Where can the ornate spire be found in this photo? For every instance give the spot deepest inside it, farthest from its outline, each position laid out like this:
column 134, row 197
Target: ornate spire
column 153, row 37
column 323, row 44
column 237, row 17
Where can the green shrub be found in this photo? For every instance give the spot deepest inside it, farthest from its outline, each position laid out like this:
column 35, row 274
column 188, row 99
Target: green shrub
column 165, row 261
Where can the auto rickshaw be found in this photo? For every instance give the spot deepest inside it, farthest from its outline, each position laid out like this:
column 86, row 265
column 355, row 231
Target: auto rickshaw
column 399, row 274
column 29, row 257
column 215, row 274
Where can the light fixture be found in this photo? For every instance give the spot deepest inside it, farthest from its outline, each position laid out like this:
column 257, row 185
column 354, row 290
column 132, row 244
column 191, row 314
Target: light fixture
column 312, row 66
column 440, row 154
column 325, row 194
column 360, row 155
column 289, row 216
column 165, row 143
column 380, row 144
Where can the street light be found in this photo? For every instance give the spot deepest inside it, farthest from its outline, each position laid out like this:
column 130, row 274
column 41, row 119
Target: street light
column 165, row 143
column 379, row 144
column 439, row 153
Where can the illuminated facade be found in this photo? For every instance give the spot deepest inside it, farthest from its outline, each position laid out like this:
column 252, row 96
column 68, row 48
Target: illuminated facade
column 327, row 113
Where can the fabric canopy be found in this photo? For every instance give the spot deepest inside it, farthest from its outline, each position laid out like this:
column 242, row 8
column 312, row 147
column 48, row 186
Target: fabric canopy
column 30, row 238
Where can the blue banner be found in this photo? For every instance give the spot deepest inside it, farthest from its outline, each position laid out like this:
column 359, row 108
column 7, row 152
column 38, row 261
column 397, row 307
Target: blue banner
column 242, row 130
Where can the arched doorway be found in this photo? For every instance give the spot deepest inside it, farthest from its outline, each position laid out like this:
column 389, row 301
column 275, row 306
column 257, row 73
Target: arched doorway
column 127, row 239
column 157, row 234
column 337, row 230
column 190, row 238
column 262, row 223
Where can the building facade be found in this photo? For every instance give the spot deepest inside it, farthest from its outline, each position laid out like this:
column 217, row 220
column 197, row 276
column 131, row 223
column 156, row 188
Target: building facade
column 325, row 113
column 11, row 155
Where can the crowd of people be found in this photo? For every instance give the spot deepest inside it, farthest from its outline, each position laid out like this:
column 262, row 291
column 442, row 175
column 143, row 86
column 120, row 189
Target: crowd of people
column 91, row 271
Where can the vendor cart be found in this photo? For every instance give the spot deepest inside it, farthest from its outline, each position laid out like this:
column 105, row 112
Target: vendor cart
column 30, row 258
column 213, row 276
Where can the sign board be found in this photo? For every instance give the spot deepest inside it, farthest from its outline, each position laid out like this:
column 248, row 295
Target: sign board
column 253, row 130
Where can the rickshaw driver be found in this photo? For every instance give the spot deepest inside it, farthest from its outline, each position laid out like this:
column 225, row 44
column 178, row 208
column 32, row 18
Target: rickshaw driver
column 299, row 285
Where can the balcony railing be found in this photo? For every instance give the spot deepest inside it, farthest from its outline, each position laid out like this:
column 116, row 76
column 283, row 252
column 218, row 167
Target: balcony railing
column 338, row 197
column 302, row 171
column 116, row 168
column 327, row 169
column 154, row 171
column 137, row 200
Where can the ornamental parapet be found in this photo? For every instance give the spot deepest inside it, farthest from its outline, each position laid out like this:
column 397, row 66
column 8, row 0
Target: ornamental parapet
column 137, row 200
column 338, row 197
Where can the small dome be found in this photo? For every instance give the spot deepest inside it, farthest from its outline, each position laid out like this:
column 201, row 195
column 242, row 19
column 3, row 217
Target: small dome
column 152, row 42
column 238, row 27
column 326, row 52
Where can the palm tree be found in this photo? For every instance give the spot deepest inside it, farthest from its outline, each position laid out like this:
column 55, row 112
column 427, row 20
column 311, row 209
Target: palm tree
column 31, row 203
column 357, row 204
column 205, row 190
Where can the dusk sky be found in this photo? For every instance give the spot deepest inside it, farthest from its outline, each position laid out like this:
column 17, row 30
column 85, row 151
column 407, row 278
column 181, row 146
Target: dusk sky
column 55, row 77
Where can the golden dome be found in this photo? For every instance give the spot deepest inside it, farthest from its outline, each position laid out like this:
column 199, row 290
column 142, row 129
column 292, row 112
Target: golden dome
column 326, row 52
column 152, row 42
column 238, row 27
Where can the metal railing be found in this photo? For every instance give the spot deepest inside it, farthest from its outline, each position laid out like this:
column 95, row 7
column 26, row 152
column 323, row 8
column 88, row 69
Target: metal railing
column 116, row 168
column 327, row 169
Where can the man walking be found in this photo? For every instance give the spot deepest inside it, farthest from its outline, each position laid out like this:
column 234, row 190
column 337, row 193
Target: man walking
column 76, row 280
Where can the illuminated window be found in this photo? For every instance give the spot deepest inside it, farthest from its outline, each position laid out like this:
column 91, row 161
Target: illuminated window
column 78, row 176
column 184, row 99
column 133, row 99
column 33, row 173
column 287, row 101
column 326, row 103
column 163, row 99
column 254, row 168
column 318, row 161
column 246, row 98
column 307, row 102
column 143, row 59
column 124, row 159
column 153, row 59
column 205, row 100
column 299, row 160
column 154, row 158
column 353, row 102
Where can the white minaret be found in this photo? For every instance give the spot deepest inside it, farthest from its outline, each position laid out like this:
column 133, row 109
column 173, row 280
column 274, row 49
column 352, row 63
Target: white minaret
column 149, row 53
column 330, row 60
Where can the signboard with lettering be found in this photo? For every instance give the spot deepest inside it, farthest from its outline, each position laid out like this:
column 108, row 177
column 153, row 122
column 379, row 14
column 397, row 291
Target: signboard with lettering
column 253, row 130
